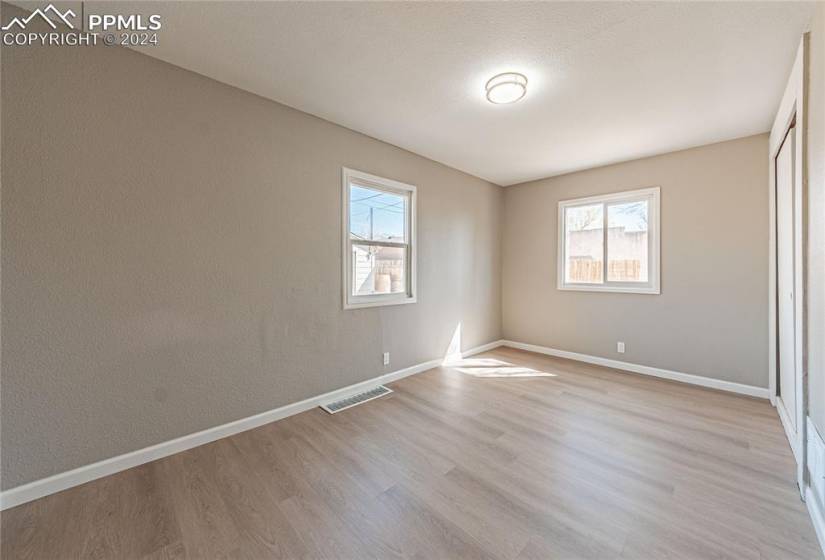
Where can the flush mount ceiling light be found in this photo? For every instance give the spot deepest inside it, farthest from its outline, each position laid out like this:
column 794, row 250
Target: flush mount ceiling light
column 508, row 87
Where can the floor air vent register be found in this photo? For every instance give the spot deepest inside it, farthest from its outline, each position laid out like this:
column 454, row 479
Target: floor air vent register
column 360, row 398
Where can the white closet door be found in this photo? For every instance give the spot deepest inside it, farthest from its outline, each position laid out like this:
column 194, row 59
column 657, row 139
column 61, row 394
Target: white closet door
column 785, row 282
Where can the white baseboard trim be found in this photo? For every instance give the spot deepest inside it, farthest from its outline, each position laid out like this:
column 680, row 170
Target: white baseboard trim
column 817, row 516
column 483, row 348
column 690, row 378
column 815, row 491
column 81, row 475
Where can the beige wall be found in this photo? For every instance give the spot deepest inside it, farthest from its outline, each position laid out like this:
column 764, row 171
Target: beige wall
column 172, row 259
column 816, row 219
column 711, row 317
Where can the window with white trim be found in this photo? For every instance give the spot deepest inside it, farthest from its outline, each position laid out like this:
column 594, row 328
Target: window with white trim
column 379, row 241
column 610, row 243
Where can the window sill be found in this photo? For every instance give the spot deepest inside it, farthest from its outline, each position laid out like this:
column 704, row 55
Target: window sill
column 379, row 301
column 650, row 290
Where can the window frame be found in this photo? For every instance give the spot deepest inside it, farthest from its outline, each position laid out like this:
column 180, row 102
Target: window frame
column 653, row 284
column 367, row 180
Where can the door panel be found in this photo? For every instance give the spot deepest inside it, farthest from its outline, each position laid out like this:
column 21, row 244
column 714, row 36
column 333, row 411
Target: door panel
column 785, row 280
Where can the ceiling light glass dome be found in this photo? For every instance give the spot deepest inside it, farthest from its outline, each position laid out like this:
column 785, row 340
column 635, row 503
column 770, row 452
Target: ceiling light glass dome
column 508, row 87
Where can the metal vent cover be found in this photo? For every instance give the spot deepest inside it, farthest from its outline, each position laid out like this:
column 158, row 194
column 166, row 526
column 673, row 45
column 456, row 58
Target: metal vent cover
column 343, row 404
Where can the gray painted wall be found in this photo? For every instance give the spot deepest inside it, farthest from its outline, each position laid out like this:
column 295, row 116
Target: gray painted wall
column 816, row 220
column 711, row 317
column 171, row 257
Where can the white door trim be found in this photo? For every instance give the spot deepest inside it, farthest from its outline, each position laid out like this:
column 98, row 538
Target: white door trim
column 791, row 108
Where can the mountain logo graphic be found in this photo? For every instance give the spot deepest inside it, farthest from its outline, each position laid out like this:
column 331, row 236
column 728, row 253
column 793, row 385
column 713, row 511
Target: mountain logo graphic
column 21, row 23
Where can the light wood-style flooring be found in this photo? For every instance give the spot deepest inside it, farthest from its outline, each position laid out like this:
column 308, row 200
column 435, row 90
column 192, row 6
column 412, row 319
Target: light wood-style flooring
column 509, row 455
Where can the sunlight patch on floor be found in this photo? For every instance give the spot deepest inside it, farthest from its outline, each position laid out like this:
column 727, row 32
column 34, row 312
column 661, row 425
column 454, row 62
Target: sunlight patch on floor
column 492, row 367
column 484, row 367
column 503, row 371
column 477, row 362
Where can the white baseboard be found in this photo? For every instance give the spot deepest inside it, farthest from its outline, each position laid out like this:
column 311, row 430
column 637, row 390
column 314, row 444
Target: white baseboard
column 690, row 378
column 483, row 348
column 815, row 491
column 817, row 516
column 81, row 475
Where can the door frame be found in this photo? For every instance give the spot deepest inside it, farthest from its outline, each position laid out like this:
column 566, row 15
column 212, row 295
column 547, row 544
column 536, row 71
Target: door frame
column 792, row 108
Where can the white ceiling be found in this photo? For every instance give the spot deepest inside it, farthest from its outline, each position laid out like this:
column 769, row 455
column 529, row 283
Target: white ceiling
column 608, row 81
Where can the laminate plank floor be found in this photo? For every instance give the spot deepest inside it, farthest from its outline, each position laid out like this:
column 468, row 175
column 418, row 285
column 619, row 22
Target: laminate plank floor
column 505, row 455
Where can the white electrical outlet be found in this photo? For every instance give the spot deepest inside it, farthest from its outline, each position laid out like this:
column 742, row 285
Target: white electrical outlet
column 386, row 358
column 620, row 347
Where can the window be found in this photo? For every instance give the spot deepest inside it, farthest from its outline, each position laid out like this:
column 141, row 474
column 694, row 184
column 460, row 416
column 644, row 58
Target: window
column 379, row 241
column 610, row 243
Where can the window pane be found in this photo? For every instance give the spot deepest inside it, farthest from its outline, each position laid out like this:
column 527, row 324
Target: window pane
column 377, row 215
column 378, row 270
column 627, row 237
column 584, row 239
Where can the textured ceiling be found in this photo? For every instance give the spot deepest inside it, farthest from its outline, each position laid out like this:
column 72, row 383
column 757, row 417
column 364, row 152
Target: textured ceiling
column 608, row 81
